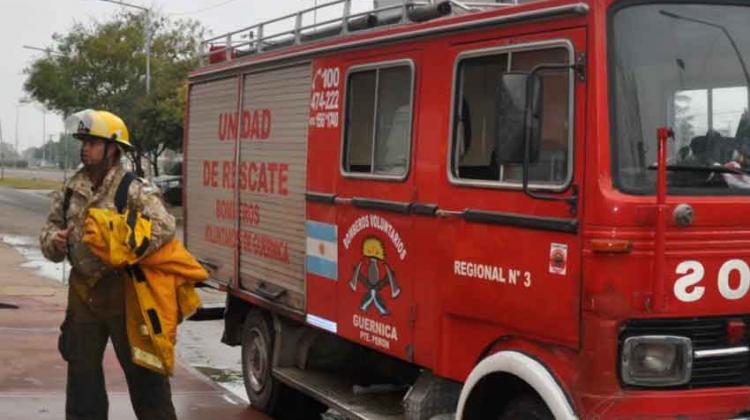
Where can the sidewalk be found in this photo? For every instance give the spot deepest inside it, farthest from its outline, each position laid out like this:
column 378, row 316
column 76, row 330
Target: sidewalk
column 32, row 373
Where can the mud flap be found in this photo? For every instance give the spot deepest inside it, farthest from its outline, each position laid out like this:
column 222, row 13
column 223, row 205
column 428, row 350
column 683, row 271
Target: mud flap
column 235, row 311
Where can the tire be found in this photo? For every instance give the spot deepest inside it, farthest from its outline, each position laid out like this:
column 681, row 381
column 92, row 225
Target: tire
column 526, row 407
column 265, row 392
column 257, row 359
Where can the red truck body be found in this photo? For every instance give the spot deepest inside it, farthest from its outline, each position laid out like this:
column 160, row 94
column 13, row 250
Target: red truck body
column 442, row 270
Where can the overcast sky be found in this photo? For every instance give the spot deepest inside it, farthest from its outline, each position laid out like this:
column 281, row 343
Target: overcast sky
column 32, row 22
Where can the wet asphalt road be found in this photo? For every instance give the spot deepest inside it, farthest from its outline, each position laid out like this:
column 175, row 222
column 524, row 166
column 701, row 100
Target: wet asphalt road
column 48, row 174
column 22, row 212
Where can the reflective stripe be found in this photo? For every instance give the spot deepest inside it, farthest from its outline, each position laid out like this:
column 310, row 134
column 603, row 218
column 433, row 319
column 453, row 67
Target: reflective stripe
column 147, row 358
column 700, row 354
column 321, row 323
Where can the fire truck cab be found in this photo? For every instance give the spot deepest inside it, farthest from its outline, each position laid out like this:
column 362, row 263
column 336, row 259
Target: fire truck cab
column 506, row 210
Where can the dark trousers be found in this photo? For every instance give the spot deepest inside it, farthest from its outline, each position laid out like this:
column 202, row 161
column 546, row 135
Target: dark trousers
column 82, row 345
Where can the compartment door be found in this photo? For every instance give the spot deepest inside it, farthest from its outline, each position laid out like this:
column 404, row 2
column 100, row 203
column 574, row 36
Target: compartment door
column 271, row 181
column 210, row 226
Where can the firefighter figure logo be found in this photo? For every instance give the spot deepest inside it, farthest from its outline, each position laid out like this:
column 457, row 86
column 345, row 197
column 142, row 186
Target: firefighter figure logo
column 375, row 275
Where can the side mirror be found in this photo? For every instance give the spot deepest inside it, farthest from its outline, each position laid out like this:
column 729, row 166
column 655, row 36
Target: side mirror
column 518, row 98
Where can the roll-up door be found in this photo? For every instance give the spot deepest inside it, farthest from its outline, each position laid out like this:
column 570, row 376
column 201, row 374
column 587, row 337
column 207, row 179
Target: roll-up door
column 211, row 134
column 273, row 158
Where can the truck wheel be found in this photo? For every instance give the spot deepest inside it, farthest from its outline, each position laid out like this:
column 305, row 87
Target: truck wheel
column 265, row 392
column 257, row 360
column 526, row 407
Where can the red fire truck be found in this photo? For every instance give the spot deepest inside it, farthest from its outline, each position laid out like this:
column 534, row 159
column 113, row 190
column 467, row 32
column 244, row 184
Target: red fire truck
column 527, row 210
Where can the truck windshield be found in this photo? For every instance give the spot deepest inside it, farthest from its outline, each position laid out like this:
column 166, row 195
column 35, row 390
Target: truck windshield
column 683, row 66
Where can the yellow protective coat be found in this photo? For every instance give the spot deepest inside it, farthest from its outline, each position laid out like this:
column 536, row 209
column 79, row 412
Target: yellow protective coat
column 159, row 292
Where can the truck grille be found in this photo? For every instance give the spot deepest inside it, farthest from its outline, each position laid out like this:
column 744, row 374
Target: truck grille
column 706, row 334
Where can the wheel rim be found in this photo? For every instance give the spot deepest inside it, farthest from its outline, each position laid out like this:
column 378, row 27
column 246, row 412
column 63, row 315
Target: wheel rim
column 256, row 353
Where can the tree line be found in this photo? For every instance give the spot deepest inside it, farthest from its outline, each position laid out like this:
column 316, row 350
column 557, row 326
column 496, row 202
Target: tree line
column 102, row 65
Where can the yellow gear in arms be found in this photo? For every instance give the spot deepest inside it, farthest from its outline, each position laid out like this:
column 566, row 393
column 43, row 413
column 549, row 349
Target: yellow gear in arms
column 98, row 124
column 128, row 236
column 159, row 292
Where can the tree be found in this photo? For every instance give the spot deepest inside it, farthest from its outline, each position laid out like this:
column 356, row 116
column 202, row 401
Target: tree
column 64, row 152
column 102, row 66
column 8, row 151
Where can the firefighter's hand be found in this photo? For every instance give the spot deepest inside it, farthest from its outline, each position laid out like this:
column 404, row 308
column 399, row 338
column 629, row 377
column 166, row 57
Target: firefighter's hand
column 60, row 240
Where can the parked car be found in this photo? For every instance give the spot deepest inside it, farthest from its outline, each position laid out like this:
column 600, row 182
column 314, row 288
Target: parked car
column 170, row 184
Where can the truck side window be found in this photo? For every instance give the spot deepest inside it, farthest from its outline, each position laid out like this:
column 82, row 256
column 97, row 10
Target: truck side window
column 473, row 153
column 378, row 121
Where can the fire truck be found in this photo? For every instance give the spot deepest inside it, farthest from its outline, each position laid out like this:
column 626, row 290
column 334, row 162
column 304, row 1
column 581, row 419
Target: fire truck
column 481, row 210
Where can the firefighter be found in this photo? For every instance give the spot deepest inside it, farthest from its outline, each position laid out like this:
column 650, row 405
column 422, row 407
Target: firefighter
column 96, row 302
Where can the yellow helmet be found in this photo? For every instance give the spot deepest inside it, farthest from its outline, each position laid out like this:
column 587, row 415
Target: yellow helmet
column 99, row 124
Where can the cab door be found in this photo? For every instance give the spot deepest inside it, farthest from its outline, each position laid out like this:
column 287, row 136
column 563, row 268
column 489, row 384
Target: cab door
column 512, row 262
column 375, row 188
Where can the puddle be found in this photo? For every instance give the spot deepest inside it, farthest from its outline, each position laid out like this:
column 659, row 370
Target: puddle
column 228, row 379
column 28, row 247
column 199, row 343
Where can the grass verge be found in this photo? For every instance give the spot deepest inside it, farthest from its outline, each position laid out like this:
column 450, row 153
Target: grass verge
column 30, row 184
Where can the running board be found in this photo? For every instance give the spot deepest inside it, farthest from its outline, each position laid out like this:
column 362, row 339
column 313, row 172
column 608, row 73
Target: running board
column 338, row 393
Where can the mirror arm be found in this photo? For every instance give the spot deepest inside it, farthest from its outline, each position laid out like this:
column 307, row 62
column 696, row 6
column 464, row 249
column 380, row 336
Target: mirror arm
column 572, row 199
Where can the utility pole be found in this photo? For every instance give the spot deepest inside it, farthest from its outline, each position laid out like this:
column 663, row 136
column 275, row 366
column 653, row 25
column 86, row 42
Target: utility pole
column 148, row 53
column 17, row 151
column 19, row 104
column 2, row 153
column 53, row 153
column 44, row 135
column 65, row 141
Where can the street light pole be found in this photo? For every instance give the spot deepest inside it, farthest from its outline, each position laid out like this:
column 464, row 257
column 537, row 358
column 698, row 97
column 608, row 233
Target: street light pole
column 45, row 50
column 2, row 153
column 53, row 156
column 44, row 132
column 65, row 157
column 148, row 53
column 147, row 12
column 17, row 106
column 20, row 103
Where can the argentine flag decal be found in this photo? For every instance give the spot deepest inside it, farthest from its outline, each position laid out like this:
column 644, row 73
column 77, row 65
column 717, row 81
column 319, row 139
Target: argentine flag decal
column 322, row 249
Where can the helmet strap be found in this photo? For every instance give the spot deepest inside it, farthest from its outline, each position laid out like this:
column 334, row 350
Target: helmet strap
column 105, row 164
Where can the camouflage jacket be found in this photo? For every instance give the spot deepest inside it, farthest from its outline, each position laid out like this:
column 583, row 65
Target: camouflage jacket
column 94, row 283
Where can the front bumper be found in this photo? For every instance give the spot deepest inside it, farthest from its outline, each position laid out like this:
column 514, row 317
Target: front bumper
column 703, row 404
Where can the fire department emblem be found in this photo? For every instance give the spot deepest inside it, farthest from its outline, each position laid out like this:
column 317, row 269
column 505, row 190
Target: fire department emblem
column 375, row 275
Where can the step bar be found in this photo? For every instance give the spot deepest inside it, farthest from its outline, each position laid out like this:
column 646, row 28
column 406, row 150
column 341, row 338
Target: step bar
column 348, row 397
